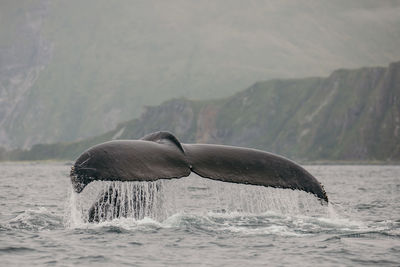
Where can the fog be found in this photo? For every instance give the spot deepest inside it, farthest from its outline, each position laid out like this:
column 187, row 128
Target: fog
column 97, row 63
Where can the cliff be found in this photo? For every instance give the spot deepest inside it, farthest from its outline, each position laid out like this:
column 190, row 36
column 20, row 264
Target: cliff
column 350, row 115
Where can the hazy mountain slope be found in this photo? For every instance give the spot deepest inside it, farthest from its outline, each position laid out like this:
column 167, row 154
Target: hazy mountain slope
column 350, row 115
column 92, row 64
column 23, row 55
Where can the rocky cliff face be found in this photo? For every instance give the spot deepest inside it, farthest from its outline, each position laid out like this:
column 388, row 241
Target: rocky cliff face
column 350, row 115
column 24, row 52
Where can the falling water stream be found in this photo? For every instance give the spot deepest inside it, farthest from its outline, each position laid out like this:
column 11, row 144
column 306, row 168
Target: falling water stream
column 192, row 195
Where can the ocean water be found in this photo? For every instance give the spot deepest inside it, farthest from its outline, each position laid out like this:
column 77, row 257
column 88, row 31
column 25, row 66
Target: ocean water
column 200, row 222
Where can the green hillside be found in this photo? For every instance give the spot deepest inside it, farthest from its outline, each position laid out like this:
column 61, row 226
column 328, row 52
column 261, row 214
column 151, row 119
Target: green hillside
column 352, row 115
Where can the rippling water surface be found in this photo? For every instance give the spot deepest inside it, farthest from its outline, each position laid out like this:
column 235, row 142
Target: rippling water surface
column 195, row 221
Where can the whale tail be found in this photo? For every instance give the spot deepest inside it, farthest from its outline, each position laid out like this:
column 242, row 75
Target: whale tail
column 160, row 155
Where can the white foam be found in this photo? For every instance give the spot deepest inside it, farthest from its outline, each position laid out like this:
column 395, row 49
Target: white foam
column 36, row 219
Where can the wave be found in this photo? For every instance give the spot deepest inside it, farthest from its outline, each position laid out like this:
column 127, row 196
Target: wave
column 36, row 219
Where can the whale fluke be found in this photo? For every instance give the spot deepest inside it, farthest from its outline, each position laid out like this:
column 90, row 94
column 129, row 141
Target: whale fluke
column 160, row 155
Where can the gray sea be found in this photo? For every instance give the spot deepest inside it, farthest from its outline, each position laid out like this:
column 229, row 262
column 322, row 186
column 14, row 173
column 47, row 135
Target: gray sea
column 198, row 222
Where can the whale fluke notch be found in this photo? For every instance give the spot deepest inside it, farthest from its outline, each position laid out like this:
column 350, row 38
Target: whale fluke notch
column 160, row 155
column 163, row 138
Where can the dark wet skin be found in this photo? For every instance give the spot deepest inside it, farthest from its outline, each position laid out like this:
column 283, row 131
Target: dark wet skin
column 161, row 156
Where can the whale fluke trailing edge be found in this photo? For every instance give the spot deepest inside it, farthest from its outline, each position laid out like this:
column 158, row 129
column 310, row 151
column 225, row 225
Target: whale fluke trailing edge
column 160, row 155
